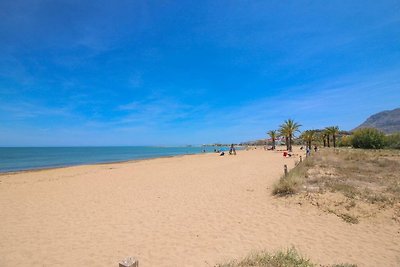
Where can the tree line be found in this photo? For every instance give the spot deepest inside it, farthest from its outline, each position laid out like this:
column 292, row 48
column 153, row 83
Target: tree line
column 361, row 138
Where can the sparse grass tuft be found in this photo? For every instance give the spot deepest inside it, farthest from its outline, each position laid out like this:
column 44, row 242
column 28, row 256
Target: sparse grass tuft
column 344, row 265
column 286, row 186
column 290, row 184
column 345, row 216
column 350, row 205
column 394, row 188
column 288, row 258
column 348, row 190
column 309, row 162
column 377, row 198
column 349, row 218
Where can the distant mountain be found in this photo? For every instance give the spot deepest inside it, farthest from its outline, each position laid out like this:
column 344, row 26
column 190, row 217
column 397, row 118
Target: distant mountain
column 387, row 121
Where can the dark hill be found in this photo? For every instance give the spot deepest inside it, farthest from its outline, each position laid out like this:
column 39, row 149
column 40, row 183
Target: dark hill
column 387, row 121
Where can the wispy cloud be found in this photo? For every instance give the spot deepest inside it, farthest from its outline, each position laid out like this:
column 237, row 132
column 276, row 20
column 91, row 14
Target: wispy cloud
column 158, row 110
column 320, row 104
column 344, row 101
column 28, row 110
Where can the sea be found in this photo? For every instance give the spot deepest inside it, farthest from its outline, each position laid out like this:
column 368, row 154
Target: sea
column 14, row 159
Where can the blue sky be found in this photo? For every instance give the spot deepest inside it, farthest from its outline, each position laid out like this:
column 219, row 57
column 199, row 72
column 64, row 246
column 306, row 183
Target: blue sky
column 191, row 72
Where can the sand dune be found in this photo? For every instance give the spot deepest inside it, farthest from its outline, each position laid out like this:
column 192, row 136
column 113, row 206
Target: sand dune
column 184, row 211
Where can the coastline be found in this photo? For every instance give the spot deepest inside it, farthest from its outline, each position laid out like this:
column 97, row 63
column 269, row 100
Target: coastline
column 2, row 173
column 33, row 169
column 16, row 159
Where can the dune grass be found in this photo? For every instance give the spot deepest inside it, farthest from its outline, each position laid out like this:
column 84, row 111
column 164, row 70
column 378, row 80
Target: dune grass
column 291, row 184
column 284, row 258
column 347, row 217
column 370, row 177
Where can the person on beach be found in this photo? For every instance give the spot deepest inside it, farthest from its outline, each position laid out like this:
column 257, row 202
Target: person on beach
column 232, row 150
column 315, row 148
column 308, row 152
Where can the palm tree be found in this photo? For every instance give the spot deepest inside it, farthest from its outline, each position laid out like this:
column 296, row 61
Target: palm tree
column 327, row 134
column 273, row 134
column 319, row 136
column 334, row 131
column 308, row 137
column 324, row 137
column 288, row 129
column 283, row 133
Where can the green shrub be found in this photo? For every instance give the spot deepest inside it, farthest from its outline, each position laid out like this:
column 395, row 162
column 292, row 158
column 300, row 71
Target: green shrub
column 345, row 141
column 393, row 141
column 369, row 138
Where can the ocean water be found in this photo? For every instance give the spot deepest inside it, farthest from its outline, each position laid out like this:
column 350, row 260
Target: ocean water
column 27, row 158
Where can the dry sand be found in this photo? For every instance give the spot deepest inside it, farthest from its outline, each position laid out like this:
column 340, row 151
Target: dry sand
column 184, row 211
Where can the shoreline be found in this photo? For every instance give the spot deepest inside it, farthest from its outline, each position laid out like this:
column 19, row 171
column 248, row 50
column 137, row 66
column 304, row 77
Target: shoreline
column 2, row 173
column 238, row 148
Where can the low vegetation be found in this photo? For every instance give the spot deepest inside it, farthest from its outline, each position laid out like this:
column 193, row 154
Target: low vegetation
column 287, row 258
column 393, row 141
column 350, row 183
column 292, row 183
column 369, row 138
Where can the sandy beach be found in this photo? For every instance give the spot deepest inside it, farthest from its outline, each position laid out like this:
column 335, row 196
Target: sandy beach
column 196, row 210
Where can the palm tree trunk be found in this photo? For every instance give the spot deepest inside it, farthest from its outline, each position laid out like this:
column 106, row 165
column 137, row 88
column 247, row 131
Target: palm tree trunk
column 287, row 142
column 329, row 145
column 324, row 141
column 273, row 143
column 290, row 143
column 334, row 140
